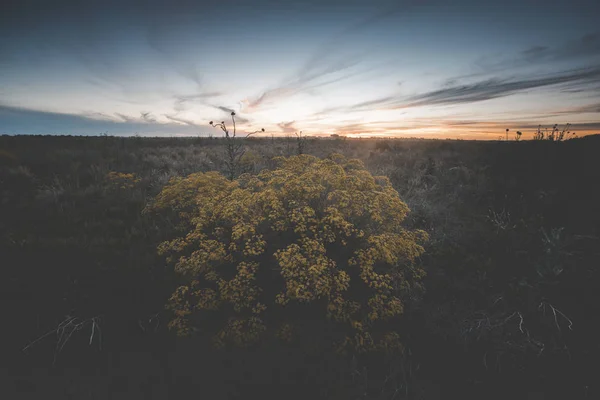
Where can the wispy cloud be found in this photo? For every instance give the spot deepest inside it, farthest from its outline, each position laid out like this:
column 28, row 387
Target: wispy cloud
column 21, row 120
column 224, row 109
column 452, row 93
column 495, row 88
column 125, row 118
column 357, row 129
column 309, row 79
column 535, row 51
column 95, row 115
column 587, row 109
column 385, row 128
column 226, row 114
column 287, row 127
column 147, row 116
column 369, row 105
column 180, row 120
column 327, row 61
column 182, row 102
column 585, row 46
column 580, row 51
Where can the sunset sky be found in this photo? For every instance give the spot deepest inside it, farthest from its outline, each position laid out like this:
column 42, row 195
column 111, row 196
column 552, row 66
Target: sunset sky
column 423, row 68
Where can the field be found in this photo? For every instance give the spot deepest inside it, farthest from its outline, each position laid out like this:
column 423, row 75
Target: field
column 510, row 306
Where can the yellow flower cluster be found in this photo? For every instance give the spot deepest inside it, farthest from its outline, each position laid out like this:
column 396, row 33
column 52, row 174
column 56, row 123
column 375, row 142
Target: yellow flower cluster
column 285, row 332
column 312, row 232
column 240, row 331
column 122, row 180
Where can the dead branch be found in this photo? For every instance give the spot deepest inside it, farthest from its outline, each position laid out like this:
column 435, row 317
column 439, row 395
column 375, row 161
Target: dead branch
column 65, row 330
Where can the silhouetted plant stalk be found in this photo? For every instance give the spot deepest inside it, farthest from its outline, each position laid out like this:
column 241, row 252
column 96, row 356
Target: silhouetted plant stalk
column 300, row 143
column 233, row 147
column 554, row 135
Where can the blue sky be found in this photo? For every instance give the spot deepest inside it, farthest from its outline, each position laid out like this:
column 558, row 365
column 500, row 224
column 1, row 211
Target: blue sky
column 461, row 69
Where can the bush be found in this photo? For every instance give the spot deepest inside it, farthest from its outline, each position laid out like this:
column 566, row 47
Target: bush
column 121, row 180
column 311, row 245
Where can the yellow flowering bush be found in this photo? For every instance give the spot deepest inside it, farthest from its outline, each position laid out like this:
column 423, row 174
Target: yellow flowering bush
column 121, row 180
column 311, row 240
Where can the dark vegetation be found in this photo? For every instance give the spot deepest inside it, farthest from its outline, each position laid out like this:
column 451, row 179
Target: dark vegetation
column 511, row 307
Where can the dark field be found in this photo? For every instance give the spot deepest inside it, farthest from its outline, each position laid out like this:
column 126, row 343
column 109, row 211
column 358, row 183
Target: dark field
column 511, row 306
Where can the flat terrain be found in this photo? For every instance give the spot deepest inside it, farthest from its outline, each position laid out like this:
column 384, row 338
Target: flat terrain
column 511, row 306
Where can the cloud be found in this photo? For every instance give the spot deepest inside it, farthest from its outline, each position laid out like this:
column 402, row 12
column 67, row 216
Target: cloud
column 182, row 101
column 370, row 104
column 535, row 51
column 461, row 123
column 158, row 38
column 590, row 108
column 452, row 93
column 125, row 118
column 287, row 127
column 306, row 80
column 495, row 88
column 580, row 50
column 356, row 129
column 90, row 40
column 385, row 102
column 180, row 120
column 224, row 109
column 585, row 46
column 99, row 116
column 385, row 128
column 228, row 110
column 327, row 60
column 17, row 120
column 147, row 116
column 330, row 47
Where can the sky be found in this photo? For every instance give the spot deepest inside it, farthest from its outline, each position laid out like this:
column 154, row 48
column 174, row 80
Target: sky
column 465, row 69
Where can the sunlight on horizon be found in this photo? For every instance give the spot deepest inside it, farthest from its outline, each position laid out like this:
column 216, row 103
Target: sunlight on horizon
column 382, row 68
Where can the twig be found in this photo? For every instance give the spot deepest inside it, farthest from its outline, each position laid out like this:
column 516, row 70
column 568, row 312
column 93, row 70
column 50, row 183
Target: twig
column 65, row 330
column 554, row 312
column 38, row 339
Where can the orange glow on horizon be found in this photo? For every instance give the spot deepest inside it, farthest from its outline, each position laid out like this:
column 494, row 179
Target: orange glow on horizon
column 483, row 131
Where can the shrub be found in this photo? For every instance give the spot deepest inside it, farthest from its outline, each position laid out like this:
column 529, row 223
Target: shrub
column 311, row 244
column 121, row 180
column 251, row 162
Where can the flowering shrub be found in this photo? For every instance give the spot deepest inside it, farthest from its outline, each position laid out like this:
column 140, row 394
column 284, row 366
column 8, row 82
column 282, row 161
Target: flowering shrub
column 121, row 180
column 311, row 240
